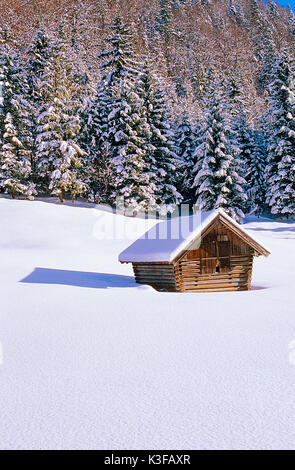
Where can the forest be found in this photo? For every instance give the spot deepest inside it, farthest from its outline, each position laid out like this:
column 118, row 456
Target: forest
column 160, row 103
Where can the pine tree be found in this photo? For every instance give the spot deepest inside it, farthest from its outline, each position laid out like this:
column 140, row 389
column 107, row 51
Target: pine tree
column 58, row 153
column 280, row 171
column 218, row 179
column 15, row 167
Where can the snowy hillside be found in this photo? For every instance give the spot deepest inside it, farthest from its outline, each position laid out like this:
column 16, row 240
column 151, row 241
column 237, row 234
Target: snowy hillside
column 92, row 360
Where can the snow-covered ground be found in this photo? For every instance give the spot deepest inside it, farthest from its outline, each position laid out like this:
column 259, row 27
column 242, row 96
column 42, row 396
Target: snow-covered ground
column 90, row 360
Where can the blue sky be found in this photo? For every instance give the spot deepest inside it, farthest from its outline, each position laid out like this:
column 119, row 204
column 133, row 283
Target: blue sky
column 288, row 2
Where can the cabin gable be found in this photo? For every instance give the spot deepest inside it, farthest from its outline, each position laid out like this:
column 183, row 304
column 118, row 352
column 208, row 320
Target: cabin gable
column 223, row 261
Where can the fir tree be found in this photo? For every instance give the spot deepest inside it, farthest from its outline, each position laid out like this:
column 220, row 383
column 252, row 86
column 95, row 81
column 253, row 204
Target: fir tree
column 118, row 61
column 115, row 128
column 280, row 171
column 127, row 125
column 218, row 181
column 39, row 54
column 162, row 161
column 165, row 20
column 168, row 33
column 268, row 61
column 58, row 152
column 255, row 171
column 127, row 134
column 118, row 70
column 98, row 172
column 242, row 138
column 250, row 146
column 15, row 167
column 185, row 136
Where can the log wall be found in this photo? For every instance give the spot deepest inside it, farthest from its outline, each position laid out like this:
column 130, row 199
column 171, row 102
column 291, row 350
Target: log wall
column 158, row 275
column 190, row 279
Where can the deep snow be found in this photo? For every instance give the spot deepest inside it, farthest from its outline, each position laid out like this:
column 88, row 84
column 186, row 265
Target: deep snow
column 91, row 360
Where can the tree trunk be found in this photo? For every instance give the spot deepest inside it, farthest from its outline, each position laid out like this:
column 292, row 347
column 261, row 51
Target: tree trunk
column 12, row 194
column 61, row 196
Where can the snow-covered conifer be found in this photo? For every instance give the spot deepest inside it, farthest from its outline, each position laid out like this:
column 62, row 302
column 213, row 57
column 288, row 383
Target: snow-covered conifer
column 128, row 134
column 98, row 171
column 15, row 150
column 185, row 137
column 39, row 54
column 58, row 153
column 218, row 181
column 255, row 171
column 119, row 60
column 280, row 171
column 162, row 160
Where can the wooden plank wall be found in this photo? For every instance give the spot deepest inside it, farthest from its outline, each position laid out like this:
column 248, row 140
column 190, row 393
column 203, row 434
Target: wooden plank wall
column 160, row 276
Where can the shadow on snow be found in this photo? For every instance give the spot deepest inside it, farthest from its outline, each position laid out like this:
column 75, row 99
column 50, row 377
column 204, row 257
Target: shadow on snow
column 287, row 228
column 78, row 279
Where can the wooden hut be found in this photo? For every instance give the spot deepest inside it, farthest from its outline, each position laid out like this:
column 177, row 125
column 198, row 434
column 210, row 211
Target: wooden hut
column 207, row 252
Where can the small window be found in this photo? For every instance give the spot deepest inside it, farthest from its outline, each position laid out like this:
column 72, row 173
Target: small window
column 218, row 268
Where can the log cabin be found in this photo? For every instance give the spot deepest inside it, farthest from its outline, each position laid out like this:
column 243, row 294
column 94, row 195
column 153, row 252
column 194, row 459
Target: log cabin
column 206, row 252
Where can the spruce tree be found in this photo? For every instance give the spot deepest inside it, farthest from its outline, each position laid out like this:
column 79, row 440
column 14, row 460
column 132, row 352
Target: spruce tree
column 280, row 171
column 165, row 21
column 185, row 136
column 58, row 153
column 218, row 181
column 127, row 134
column 242, row 138
column 119, row 60
column 39, row 54
column 255, row 171
column 15, row 151
column 162, row 161
column 98, row 172
column 250, row 146
column 114, row 127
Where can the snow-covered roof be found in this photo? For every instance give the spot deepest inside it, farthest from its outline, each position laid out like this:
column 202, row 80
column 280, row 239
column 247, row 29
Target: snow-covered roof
column 168, row 239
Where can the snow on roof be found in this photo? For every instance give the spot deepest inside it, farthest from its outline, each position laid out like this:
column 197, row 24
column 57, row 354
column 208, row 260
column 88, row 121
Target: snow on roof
column 166, row 240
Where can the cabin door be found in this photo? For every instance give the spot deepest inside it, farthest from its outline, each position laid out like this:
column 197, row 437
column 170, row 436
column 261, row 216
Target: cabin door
column 215, row 257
